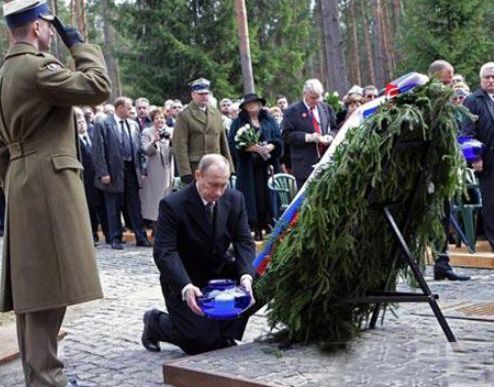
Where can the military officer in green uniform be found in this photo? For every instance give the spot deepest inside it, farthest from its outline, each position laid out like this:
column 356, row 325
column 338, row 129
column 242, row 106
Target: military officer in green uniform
column 48, row 256
column 198, row 131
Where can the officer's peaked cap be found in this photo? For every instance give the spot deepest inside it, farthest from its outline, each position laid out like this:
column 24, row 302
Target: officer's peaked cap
column 19, row 12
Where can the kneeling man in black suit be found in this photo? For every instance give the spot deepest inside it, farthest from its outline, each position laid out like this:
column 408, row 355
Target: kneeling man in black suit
column 196, row 227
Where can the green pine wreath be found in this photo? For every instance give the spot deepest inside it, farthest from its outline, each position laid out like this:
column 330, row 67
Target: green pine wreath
column 341, row 247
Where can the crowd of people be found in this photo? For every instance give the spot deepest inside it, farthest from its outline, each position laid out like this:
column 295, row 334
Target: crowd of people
column 135, row 153
column 169, row 141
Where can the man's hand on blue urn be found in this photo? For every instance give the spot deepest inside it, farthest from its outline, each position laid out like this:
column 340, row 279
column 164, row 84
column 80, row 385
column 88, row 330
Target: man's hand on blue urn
column 191, row 295
column 246, row 283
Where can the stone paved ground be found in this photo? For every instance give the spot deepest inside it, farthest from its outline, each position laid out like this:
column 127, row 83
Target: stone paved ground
column 103, row 347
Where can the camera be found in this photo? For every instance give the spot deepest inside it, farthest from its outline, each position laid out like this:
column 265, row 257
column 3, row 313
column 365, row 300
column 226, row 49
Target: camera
column 164, row 134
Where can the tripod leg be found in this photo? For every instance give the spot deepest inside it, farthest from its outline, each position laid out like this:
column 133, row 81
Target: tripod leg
column 375, row 315
column 442, row 321
column 418, row 275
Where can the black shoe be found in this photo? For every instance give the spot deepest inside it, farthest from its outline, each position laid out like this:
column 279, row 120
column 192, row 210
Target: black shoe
column 147, row 340
column 143, row 243
column 74, row 383
column 450, row 275
column 227, row 342
column 116, row 246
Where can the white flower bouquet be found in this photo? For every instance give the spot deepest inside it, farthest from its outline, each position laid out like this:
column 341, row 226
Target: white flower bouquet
column 247, row 136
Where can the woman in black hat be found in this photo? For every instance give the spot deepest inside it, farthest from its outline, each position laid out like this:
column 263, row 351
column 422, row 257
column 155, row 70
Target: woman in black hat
column 253, row 161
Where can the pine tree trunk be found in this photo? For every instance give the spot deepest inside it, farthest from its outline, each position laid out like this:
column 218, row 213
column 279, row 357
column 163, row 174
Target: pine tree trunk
column 321, row 53
column 109, row 43
column 333, row 42
column 388, row 41
column 397, row 12
column 71, row 9
column 379, row 45
column 397, row 18
column 386, row 44
column 84, row 21
column 367, row 40
column 78, row 16
column 57, row 43
column 244, row 46
column 355, row 61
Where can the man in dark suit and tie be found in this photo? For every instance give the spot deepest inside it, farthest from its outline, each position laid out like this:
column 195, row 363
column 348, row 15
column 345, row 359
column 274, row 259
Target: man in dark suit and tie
column 142, row 109
column 481, row 103
column 94, row 196
column 308, row 128
column 119, row 170
column 196, row 226
column 443, row 71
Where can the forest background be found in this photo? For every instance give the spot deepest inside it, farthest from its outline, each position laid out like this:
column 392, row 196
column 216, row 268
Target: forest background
column 153, row 48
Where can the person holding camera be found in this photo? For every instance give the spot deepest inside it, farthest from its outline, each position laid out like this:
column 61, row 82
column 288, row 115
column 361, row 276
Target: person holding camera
column 48, row 261
column 156, row 145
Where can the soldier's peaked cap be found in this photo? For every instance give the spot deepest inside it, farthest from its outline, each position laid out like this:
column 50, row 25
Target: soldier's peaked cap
column 200, row 85
column 20, row 12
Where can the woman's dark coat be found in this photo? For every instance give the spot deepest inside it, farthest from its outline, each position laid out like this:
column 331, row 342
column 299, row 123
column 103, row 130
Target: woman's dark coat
column 270, row 133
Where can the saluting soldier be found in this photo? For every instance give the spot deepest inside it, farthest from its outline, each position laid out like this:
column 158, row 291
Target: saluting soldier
column 48, row 257
column 198, row 131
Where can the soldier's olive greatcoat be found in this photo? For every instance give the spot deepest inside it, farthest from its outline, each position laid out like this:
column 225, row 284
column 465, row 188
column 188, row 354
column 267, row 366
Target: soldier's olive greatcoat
column 48, row 258
column 198, row 133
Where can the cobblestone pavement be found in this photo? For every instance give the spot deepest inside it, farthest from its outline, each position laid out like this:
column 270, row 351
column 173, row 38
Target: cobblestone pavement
column 102, row 347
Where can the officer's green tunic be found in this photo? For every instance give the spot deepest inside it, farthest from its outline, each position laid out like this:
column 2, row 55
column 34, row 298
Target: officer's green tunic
column 48, row 257
column 198, row 133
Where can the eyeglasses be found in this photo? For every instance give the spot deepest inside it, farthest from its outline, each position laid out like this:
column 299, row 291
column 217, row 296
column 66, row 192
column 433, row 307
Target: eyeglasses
column 370, row 96
column 176, row 107
column 459, row 98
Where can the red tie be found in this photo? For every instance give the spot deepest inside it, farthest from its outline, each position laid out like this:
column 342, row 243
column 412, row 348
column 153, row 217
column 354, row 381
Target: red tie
column 317, row 128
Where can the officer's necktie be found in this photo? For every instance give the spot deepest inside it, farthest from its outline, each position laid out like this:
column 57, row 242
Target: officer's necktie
column 210, row 212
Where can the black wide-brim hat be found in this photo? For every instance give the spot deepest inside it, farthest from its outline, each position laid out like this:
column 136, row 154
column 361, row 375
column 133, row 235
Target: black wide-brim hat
column 252, row 97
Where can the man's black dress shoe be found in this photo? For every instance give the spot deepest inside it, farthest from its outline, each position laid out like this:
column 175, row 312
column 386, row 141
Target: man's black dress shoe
column 143, row 243
column 450, row 275
column 227, row 342
column 74, row 383
column 116, row 246
column 147, row 341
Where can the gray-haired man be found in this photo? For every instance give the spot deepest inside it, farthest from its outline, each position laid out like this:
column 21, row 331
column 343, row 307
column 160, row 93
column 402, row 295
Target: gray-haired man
column 308, row 128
